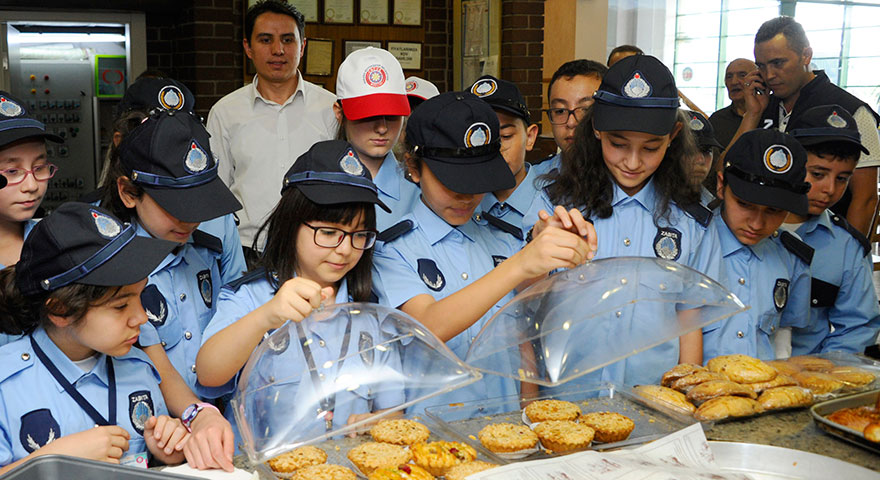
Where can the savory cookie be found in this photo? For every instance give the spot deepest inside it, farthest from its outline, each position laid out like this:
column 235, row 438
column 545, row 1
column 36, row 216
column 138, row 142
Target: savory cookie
column 666, row 397
column 852, row 376
column 438, row 457
column 684, row 384
column 400, row 432
column 372, row 455
column 720, row 408
column 718, row 388
column 785, row 397
column 324, row 472
column 464, row 470
column 820, row 383
column 783, row 366
column 298, row 458
column 679, row 371
column 507, row 437
column 815, row 364
column 742, row 368
column 781, row 380
column 564, row 435
column 609, row 426
column 543, row 410
column 406, row 471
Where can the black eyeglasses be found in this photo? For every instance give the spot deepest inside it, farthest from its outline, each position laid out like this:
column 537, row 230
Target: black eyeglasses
column 330, row 237
column 559, row 116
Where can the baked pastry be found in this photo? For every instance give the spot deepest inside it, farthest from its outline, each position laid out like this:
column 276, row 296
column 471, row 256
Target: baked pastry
column 872, row 432
column 400, row 432
column 852, row 376
column 406, row 471
column 818, row 382
column 718, row 388
column 324, row 472
column 464, row 470
column 298, row 458
column 783, row 366
column 720, row 408
column 684, row 384
column 855, row 418
column 609, row 426
column 815, row 364
column 665, row 397
column 372, row 455
column 679, row 371
column 543, row 410
column 507, row 437
column 781, row 380
column 564, row 435
column 438, row 457
column 742, row 368
column 785, row 397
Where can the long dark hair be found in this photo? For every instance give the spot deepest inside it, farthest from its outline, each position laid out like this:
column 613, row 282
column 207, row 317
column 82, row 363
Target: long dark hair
column 283, row 224
column 114, row 170
column 584, row 182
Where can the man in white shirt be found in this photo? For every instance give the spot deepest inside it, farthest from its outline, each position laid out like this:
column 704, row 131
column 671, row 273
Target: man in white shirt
column 260, row 129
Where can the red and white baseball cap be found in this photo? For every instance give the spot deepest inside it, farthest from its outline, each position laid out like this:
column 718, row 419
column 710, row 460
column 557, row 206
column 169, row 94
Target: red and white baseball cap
column 420, row 88
column 370, row 83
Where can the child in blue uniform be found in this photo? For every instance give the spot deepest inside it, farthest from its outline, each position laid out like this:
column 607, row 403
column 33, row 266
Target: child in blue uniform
column 75, row 293
column 440, row 267
column 371, row 107
column 703, row 160
column 844, row 314
column 626, row 171
column 319, row 243
column 769, row 270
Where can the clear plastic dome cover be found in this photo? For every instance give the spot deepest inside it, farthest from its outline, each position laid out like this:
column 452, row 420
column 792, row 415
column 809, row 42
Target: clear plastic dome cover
column 306, row 379
column 580, row 320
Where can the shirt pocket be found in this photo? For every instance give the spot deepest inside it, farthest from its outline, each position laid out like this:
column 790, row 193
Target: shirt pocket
column 769, row 323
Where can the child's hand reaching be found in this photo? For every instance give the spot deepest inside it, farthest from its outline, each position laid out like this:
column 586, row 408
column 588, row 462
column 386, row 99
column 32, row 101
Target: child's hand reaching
column 294, row 301
column 570, row 220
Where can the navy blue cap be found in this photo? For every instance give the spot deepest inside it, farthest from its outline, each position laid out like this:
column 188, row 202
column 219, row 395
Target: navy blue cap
column 502, row 95
column 149, row 93
column 16, row 124
column 702, row 128
column 826, row 123
column 83, row 243
column 169, row 156
column 330, row 173
column 768, row 167
column 637, row 94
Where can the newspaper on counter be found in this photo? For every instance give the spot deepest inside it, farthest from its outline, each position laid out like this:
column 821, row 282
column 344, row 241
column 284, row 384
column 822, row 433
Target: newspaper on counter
column 683, row 455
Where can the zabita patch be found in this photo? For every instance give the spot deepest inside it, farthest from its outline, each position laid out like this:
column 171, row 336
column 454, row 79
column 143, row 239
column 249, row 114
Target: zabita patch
column 140, row 409
column 667, row 243
column 780, row 293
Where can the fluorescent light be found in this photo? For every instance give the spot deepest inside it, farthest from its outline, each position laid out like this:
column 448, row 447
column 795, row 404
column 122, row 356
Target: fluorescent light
column 32, row 37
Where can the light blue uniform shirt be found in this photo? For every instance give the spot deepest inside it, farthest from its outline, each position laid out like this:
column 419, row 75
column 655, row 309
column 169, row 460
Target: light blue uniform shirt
column 839, row 261
column 548, row 165
column 774, row 282
column 520, row 210
column 28, row 226
column 395, row 191
column 437, row 259
column 34, row 408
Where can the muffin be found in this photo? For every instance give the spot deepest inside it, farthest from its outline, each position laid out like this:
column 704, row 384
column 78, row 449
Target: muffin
column 507, row 437
column 298, row 458
column 400, row 432
column 543, row 410
column 438, row 457
column 564, row 435
column 401, row 472
column 372, row 455
column 324, row 472
column 462, row 471
column 609, row 426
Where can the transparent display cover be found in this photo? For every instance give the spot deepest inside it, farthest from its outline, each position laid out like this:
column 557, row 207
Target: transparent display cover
column 580, row 320
column 306, row 381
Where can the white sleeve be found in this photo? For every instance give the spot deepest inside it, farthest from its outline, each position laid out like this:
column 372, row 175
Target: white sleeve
column 870, row 137
column 220, row 146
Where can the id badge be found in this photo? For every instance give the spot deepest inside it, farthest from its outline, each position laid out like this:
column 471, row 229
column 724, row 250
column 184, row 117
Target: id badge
column 138, row 460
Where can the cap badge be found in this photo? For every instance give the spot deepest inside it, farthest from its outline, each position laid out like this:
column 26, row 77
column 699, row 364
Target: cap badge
column 171, row 98
column 107, row 227
column 8, row 108
column 375, row 76
column 477, row 134
column 410, row 86
column 637, row 87
column 484, row 87
column 196, row 158
column 350, row 164
column 835, row 121
column 778, row 159
column 696, row 124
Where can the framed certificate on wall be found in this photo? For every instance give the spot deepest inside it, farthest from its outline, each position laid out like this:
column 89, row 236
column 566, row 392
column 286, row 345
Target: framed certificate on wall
column 319, row 57
column 374, row 12
column 338, row 11
column 409, row 54
column 408, row 12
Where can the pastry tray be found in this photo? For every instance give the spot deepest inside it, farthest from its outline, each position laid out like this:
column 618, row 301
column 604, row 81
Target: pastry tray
column 463, row 421
column 821, row 410
column 852, row 360
column 72, row 468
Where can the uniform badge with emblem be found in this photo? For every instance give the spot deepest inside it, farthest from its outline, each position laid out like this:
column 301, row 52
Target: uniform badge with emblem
column 778, row 159
column 484, row 87
column 38, row 429
column 140, row 409
column 196, row 158
column 835, row 121
column 154, row 305
column 350, row 164
column 780, row 293
column 206, row 288
column 637, row 86
column 696, row 124
column 410, row 86
column 375, row 76
column 497, row 259
column 278, row 343
column 107, row 227
column 8, row 108
column 478, row 134
column 171, row 98
column 667, row 243
column 431, row 275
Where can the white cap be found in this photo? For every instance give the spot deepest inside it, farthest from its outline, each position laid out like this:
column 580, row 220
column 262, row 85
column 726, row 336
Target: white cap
column 370, row 83
column 420, row 88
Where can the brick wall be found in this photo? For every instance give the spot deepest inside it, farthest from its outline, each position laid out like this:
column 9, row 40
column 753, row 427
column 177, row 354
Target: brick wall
column 522, row 48
column 437, row 50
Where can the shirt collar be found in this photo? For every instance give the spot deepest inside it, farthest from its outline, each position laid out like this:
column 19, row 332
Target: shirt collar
column 646, row 197
column 816, row 221
column 64, row 364
column 172, row 256
column 729, row 243
column 524, row 194
column 436, row 228
column 255, row 94
column 389, row 176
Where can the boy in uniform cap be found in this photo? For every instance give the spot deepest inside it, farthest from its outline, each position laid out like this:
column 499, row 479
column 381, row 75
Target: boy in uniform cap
column 768, row 269
column 148, row 93
column 515, row 210
column 844, row 314
column 703, row 163
column 418, row 90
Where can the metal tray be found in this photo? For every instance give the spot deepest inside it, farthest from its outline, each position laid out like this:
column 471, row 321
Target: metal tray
column 72, row 468
column 821, row 410
column 464, row 420
column 765, row 462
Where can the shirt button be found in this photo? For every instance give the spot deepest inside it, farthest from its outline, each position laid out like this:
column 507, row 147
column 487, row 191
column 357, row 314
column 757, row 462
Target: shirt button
column 477, row 217
column 193, row 369
column 321, row 343
column 815, row 301
column 188, row 335
column 164, row 344
column 464, row 276
column 618, row 314
column 772, row 328
column 740, row 334
column 182, row 297
column 626, row 242
column 25, row 356
column 742, row 281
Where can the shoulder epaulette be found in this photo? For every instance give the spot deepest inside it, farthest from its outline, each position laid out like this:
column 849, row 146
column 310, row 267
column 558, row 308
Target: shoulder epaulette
column 396, row 230
column 714, row 204
column 246, row 278
column 15, row 359
column 208, row 241
column 842, row 223
column 796, row 246
column 699, row 212
column 92, row 197
column 823, row 294
column 503, row 226
column 546, row 159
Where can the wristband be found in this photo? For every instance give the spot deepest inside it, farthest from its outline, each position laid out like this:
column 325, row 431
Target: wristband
column 192, row 411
